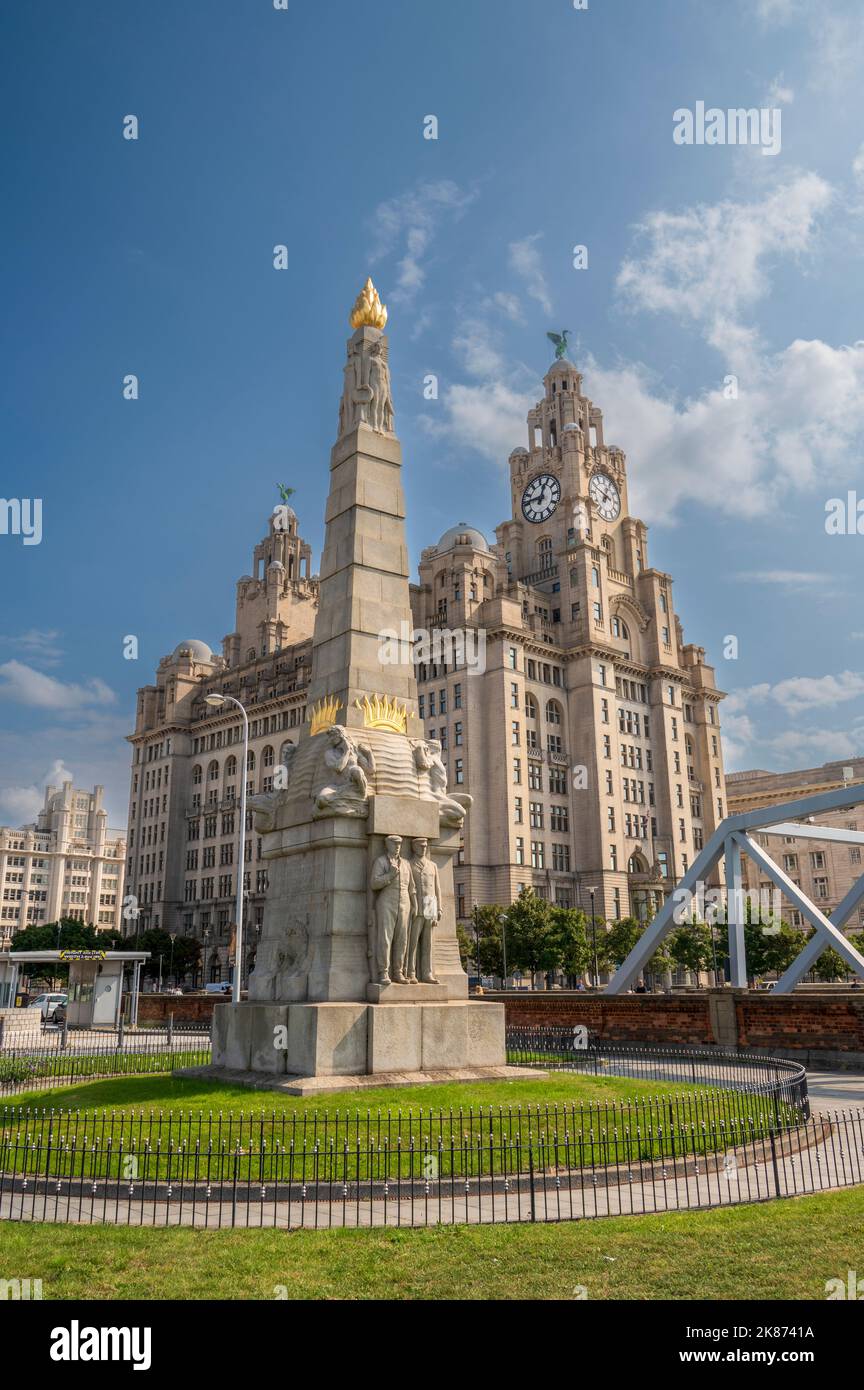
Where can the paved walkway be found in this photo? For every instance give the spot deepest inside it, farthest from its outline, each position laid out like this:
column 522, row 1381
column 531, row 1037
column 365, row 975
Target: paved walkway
column 835, row 1090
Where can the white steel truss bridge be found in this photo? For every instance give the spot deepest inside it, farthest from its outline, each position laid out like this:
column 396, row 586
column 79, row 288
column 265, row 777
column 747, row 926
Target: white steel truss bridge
column 734, row 835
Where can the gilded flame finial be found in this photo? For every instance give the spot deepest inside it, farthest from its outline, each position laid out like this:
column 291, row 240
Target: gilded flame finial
column 382, row 712
column 368, row 310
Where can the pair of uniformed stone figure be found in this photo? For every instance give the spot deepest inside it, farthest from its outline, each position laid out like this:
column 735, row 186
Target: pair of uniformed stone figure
column 406, row 905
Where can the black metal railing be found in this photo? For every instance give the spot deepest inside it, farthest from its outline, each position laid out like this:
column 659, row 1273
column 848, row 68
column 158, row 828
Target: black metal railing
column 63, row 1167
column 61, row 1056
column 573, row 1048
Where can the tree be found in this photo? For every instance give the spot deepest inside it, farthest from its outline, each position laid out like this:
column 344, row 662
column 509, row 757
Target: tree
column 690, row 947
column 467, row 947
column 157, row 942
column 487, row 948
column 533, row 941
column 574, row 949
column 615, row 945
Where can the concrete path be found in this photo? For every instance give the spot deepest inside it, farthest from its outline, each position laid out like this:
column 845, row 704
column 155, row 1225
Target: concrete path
column 835, row 1090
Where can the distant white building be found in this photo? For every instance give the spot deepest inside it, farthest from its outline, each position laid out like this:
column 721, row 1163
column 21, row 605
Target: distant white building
column 68, row 864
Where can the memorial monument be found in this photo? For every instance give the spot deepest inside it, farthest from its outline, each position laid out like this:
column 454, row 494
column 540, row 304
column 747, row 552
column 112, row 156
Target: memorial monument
column 358, row 970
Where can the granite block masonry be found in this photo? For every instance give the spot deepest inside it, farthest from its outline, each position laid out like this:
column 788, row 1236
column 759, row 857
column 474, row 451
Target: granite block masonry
column 358, row 969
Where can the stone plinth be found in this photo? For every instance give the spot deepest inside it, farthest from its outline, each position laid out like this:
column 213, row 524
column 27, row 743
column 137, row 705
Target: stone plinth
column 406, row 994
column 353, row 1039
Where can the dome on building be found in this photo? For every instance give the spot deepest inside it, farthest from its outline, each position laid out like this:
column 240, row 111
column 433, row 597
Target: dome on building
column 572, row 426
column 520, row 450
column 198, row 650
column 463, row 534
column 276, row 565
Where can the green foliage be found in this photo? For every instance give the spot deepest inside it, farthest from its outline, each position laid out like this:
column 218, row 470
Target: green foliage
column 573, row 945
column 533, row 942
column 489, row 953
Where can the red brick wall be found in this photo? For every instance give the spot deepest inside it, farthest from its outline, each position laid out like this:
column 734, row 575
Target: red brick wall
column 814, row 1021
column 811, row 1021
column 186, row 1008
column 679, row 1019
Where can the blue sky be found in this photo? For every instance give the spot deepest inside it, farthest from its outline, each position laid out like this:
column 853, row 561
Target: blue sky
column 305, row 127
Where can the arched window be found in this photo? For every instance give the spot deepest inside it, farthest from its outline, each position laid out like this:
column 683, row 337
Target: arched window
column 553, row 712
column 196, row 775
column 620, row 629
column 267, row 756
column 251, row 654
column 213, row 772
column 250, row 759
column 637, row 865
column 231, row 767
column 530, row 707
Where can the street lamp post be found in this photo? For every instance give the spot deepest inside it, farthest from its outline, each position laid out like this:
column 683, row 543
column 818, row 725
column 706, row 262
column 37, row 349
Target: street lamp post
column 216, row 701
column 504, row 944
column 591, row 892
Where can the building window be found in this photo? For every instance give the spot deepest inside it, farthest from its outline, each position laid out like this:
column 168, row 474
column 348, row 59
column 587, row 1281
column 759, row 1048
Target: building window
column 520, row 850
column 517, row 810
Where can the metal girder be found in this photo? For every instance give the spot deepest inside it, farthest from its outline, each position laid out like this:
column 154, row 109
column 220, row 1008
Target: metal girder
column 816, row 832
column 816, row 945
column 729, row 838
column 824, row 928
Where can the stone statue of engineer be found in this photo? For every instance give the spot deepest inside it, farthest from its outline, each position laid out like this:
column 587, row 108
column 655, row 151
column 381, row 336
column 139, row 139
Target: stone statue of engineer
column 427, row 887
column 392, row 884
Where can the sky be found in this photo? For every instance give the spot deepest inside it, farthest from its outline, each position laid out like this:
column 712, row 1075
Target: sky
column 717, row 323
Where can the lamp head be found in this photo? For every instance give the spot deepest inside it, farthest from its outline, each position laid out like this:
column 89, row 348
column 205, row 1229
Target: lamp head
column 214, row 700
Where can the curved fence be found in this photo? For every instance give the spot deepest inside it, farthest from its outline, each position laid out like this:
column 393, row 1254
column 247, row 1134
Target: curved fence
column 572, row 1049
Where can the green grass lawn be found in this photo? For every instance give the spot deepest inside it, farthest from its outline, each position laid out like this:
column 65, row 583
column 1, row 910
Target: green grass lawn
column 779, row 1250
column 205, row 1130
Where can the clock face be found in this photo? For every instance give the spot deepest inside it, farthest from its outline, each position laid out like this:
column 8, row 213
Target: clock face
column 540, row 498
column 605, row 496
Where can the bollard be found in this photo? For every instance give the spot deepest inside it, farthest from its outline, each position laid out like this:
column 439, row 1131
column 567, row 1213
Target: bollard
column 170, row 1031
column 121, row 1032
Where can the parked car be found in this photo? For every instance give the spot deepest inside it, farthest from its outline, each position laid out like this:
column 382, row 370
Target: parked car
column 48, row 1004
column 220, row 987
column 60, row 1014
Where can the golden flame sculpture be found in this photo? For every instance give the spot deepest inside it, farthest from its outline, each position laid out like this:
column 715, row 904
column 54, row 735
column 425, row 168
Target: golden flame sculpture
column 368, row 310
column 383, row 713
column 324, row 713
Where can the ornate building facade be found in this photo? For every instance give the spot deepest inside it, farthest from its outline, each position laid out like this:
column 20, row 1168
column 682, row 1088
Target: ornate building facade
column 588, row 733
column 185, row 782
column 824, row 869
column 68, row 863
column 591, row 727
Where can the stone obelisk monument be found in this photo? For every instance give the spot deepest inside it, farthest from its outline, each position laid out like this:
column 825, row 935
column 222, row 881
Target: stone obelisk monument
column 358, row 970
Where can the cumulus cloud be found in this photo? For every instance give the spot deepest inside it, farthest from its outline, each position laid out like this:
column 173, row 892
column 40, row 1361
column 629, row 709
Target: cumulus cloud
column 709, row 263
column 20, row 805
column 28, row 686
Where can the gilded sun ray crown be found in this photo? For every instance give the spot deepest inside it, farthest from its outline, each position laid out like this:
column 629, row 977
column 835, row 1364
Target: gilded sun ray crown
column 324, row 713
column 368, row 311
column 380, row 712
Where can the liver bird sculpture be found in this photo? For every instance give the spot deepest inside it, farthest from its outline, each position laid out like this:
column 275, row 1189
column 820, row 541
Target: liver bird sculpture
column 560, row 341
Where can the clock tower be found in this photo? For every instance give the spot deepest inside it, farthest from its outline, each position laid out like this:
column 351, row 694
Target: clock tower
column 567, row 486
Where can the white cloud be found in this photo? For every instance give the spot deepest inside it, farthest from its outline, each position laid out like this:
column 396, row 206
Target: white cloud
column 489, row 418
column 525, row 260
column 510, row 305
column 709, row 263
column 20, row 805
column 798, row 693
column 33, row 688
column 474, row 344
column 794, row 581
column 779, row 94
column 37, row 645
column 406, row 225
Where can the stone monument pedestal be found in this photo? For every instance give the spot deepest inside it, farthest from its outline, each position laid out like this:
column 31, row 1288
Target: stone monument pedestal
column 344, row 1040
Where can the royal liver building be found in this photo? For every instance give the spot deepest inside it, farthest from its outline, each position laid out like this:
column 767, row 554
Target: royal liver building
column 590, row 726
column 563, row 695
